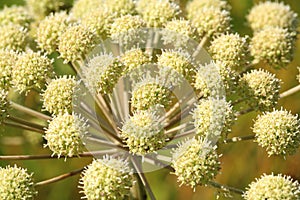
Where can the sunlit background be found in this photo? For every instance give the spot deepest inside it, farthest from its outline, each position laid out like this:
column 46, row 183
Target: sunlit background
column 241, row 162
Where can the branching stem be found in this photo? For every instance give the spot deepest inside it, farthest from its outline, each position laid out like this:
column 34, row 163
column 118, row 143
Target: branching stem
column 290, row 92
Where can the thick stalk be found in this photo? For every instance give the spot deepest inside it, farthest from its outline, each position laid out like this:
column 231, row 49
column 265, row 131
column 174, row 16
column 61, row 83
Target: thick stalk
column 290, row 92
column 22, row 126
column 238, row 139
column 226, row 188
column 60, row 177
column 29, row 111
column 142, row 177
column 40, row 157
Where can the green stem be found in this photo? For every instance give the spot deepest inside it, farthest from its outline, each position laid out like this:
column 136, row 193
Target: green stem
column 29, row 111
column 18, row 120
column 39, row 157
column 290, row 92
column 140, row 192
column 21, row 126
column 142, row 178
column 243, row 112
column 238, row 139
column 226, row 188
column 60, row 177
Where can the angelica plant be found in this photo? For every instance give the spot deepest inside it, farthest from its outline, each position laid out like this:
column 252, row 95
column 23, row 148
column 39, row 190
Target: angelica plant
column 141, row 86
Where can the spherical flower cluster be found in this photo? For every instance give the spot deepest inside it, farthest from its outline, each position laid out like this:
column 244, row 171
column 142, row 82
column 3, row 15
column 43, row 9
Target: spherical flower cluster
column 126, row 29
column 213, row 118
column 102, row 73
column 49, row 30
column 60, row 94
column 157, row 12
column 194, row 6
column 210, row 21
column 178, row 32
column 149, row 93
column 76, row 42
column 65, row 133
column 209, row 81
column 230, row 49
column 120, row 7
column 16, row 183
column 179, row 61
column 195, row 162
column 42, row 8
column 13, row 36
column 275, row 14
column 107, row 179
column 143, row 133
column 275, row 187
column 133, row 59
column 16, row 15
column 273, row 45
column 7, row 61
column 99, row 20
column 4, row 105
column 278, row 132
column 260, row 89
column 31, row 71
column 82, row 8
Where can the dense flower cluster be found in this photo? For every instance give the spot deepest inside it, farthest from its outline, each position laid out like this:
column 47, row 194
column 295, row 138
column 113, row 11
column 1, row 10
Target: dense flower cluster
column 275, row 187
column 131, row 82
column 16, row 183
column 107, row 178
column 278, row 132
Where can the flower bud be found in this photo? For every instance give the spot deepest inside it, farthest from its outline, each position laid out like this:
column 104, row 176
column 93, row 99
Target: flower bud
column 179, row 61
column 18, row 15
column 16, row 183
column 195, row 5
column 275, row 187
column 134, row 59
column 76, row 42
column 50, row 29
column 275, row 14
column 126, row 29
column 120, row 7
column 60, row 94
column 213, row 118
column 99, row 20
column 148, row 93
column 42, row 8
column 260, row 89
column 143, row 133
column 7, row 61
column 102, row 73
column 195, row 162
column 13, row 36
column 157, row 12
column 274, row 46
column 83, row 8
column 278, row 132
column 4, row 105
column 107, row 178
column 230, row 49
column 31, row 71
column 178, row 32
column 65, row 134
column 210, row 21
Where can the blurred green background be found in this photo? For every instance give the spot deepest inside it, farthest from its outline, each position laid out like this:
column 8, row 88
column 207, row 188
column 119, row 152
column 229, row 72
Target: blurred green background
column 241, row 162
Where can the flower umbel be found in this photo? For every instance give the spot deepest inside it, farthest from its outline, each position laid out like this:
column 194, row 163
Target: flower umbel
column 16, row 183
column 278, row 132
column 107, row 178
